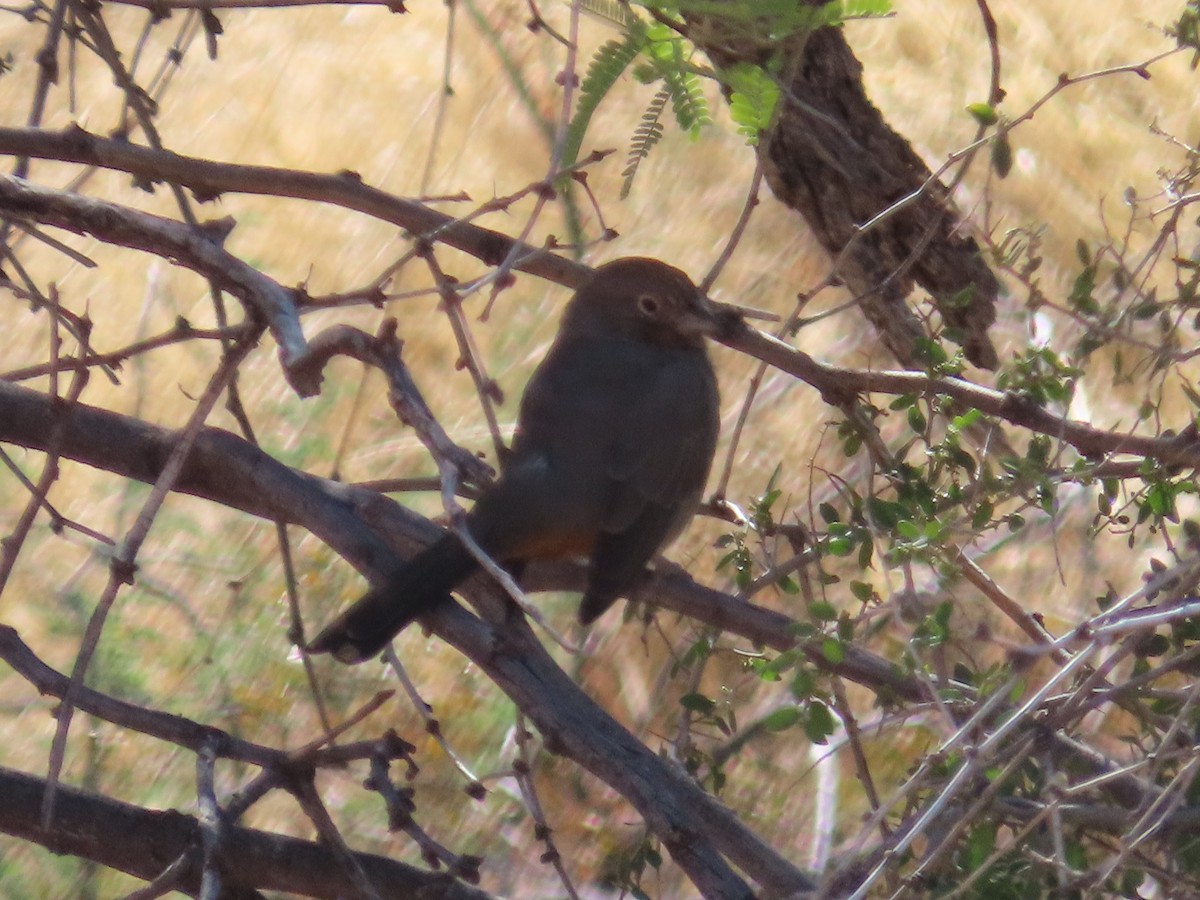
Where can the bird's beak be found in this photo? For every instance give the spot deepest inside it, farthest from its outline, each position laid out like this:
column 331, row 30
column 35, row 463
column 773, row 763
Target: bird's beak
column 708, row 319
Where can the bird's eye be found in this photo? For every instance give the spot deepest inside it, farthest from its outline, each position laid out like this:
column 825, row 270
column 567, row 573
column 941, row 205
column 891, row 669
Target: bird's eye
column 648, row 305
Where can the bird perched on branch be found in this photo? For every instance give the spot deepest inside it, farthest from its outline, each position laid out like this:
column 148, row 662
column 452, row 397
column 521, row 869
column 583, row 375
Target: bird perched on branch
column 615, row 436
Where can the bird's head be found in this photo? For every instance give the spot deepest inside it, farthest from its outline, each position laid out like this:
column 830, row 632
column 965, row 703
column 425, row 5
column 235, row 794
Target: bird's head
column 648, row 300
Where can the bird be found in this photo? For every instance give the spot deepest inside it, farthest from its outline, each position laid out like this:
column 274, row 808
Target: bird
column 614, row 439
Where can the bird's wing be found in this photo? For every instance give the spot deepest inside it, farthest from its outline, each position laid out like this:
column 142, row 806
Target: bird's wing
column 661, row 454
column 656, row 470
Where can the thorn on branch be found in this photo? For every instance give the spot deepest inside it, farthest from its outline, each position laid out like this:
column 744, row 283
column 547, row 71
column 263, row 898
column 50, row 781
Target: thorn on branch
column 48, row 61
column 204, row 194
column 212, row 30
column 144, row 184
column 422, row 247
column 493, row 249
column 217, row 230
column 123, row 570
column 492, row 388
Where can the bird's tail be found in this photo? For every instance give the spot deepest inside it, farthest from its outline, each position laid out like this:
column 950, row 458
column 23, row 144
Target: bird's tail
column 426, row 580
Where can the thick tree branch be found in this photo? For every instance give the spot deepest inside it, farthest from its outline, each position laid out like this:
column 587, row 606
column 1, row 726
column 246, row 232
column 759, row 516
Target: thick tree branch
column 144, row 843
column 208, row 180
column 695, row 828
column 834, row 382
column 225, row 469
column 833, row 158
column 838, row 384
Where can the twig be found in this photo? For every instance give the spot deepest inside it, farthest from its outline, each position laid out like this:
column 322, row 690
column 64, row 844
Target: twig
column 310, row 801
column 433, row 727
column 383, row 351
column 180, row 332
column 212, row 823
column 400, row 807
column 208, row 179
column 123, row 565
column 192, row 247
column 523, row 771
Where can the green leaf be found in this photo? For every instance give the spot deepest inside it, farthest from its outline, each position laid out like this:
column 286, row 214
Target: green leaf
column 606, row 66
column 839, row 546
column 859, row 9
column 1081, row 251
column 688, row 101
column 886, row 514
column 980, row 843
column 754, row 95
column 865, row 551
column 1081, row 291
column 1002, row 155
column 822, row 611
column 645, row 137
column 833, row 650
column 820, row 723
column 916, row 421
column 983, row 113
column 961, row 423
column 781, row 719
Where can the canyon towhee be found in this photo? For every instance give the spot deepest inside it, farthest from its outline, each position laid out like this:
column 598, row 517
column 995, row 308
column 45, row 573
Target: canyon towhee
column 615, row 435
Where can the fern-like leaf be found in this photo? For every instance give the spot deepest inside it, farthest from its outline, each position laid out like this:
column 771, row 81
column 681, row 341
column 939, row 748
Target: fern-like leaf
column 754, row 94
column 610, row 61
column 648, row 133
column 687, row 100
column 612, row 11
column 865, row 9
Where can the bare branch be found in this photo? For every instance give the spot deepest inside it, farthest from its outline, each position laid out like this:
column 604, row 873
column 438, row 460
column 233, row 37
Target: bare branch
column 152, row 839
column 208, row 179
column 198, row 249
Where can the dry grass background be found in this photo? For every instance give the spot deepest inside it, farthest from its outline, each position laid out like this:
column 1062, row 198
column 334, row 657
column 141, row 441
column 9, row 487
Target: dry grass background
column 359, row 88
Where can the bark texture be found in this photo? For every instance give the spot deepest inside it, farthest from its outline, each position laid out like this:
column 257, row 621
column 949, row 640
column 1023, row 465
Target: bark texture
column 833, row 158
